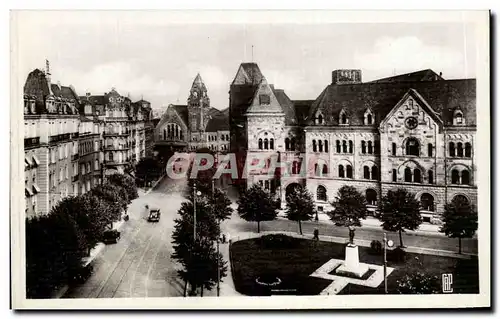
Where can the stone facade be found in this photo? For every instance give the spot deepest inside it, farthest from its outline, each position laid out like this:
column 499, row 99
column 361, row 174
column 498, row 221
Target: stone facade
column 415, row 131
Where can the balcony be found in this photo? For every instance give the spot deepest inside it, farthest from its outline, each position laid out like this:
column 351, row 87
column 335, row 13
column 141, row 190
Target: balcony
column 31, row 142
column 59, row 138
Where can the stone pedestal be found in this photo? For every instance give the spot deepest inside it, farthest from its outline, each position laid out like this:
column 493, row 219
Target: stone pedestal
column 351, row 265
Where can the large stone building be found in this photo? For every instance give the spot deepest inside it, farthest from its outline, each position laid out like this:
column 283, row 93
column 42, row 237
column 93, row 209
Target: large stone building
column 193, row 126
column 63, row 140
column 415, row 131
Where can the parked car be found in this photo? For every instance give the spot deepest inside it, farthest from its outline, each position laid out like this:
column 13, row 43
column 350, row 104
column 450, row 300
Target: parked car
column 78, row 277
column 111, row 236
column 154, row 215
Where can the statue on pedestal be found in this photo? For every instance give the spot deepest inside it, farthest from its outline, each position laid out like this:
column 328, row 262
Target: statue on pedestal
column 351, row 235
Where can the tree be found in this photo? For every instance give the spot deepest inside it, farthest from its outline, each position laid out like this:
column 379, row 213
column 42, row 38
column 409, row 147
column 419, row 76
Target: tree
column 300, row 206
column 460, row 220
column 257, row 205
column 197, row 257
column 114, row 200
column 400, row 210
column 126, row 182
column 147, row 169
column 349, row 208
column 55, row 247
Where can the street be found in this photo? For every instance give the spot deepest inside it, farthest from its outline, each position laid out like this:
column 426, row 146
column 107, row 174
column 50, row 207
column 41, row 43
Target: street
column 139, row 265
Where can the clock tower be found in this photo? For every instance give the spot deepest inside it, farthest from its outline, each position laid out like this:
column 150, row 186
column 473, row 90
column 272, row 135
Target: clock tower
column 198, row 104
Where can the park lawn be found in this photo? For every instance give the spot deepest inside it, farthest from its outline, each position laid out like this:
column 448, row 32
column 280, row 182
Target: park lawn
column 294, row 264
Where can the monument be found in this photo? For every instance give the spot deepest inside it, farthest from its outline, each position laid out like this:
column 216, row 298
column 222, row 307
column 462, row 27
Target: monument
column 351, row 265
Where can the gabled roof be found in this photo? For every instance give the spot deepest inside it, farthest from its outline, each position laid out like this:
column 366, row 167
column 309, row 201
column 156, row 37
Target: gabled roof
column 444, row 96
column 423, row 75
column 182, row 110
column 256, row 106
column 248, row 74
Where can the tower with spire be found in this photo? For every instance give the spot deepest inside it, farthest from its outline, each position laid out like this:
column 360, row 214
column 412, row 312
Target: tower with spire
column 198, row 104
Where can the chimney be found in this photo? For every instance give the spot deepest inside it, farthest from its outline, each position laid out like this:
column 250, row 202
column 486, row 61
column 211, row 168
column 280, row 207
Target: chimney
column 59, row 85
column 47, row 71
column 440, row 74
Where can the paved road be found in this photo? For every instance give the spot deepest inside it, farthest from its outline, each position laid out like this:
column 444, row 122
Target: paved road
column 139, row 265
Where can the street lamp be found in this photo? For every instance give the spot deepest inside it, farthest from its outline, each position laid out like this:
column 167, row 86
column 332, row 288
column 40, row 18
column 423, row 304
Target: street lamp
column 194, row 206
column 387, row 243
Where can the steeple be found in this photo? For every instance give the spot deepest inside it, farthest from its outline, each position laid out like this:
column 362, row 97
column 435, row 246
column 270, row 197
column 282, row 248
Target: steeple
column 197, row 102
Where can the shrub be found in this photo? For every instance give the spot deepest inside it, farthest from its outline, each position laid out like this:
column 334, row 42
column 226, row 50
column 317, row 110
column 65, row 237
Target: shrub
column 277, row 241
column 376, row 247
column 397, row 255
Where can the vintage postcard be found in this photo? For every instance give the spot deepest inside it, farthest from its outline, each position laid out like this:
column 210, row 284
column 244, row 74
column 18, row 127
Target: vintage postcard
column 250, row 159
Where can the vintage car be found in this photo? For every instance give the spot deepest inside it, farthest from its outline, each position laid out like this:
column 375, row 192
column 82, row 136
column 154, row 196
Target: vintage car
column 111, row 236
column 79, row 276
column 154, row 215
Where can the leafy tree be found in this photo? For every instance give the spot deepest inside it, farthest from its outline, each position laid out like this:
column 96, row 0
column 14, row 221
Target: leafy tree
column 126, row 182
column 91, row 218
column 399, row 211
column 55, row 247
column 148, row 169
column 460, row 220
column 114, row 199
column 416, row 281
column 349, row 209
column 203, row 266
column 300, row 206
column 257, row 205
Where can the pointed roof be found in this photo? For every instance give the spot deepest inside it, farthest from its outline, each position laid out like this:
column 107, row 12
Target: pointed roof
column 198, row 80
column 248, row 74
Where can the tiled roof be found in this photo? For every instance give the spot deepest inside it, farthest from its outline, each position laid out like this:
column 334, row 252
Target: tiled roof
column 423, row 75
column 98, row 99
column 443, row 96
column 63, row 91
column 253, row 72
column 218, row 123
column 183, row 112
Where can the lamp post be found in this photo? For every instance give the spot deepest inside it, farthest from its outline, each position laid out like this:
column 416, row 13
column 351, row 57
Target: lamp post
column 194, row 206
column 387, row 243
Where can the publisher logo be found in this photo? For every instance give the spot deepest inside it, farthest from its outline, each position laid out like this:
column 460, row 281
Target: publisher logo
column 447, row 283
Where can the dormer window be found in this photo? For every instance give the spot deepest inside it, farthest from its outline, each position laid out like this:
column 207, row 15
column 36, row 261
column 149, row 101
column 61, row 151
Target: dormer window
column 32, row 105
column 264, row 99
column 458, row 117
column 369, row 117
column 319, row 118
column 343, row 118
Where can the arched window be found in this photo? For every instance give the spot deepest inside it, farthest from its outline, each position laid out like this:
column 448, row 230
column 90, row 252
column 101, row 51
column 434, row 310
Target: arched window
column 295, row 167
column 408, row 175
column 110, row 156
column 350, row 147
column 460, row 150
column 363, row 147
column 465, row 177
column 320, row 119
column 343, row 118
column 375, row 172
column 366, row 172
column 468, row 150
column 452, row 149
column 316, row 169
column 394, row 175
column 287, row 144
column 427, row 202
column 325, row 170
column 168, row 132
column 326, row 146
column 266, row 144
column 320, row 146
column 371, row 197
column 271, row 144
column 458, row 118
column 321, row 193
column 349, row 171
column 393, row 149
column 430, row 177
column 412, row 147
column 164, row 134
column 417, row 178
column 344, row 146
column 370, row 147
column 369, row 119
column 314, row 146
column 341, row 171
column 455, row 178
column 180, row 134
column 292, row 144
column 260, row 143
column 176, row 131
column 429, row 149
column 376, row 147
column 337, row 143
column 461, row 198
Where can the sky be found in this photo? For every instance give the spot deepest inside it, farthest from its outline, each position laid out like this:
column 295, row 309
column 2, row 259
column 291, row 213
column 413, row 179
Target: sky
column 158, row 60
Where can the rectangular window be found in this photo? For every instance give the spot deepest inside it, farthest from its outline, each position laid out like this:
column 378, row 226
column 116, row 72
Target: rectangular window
column 264, row 99
column 394, row 175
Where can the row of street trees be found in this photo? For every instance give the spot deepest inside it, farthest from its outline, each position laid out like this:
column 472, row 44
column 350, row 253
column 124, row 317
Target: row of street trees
column 196, row 231
column 57, row 242
column 399, row 210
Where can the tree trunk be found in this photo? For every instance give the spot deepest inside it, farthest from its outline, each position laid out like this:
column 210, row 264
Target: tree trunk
column 300, row 227
column 459, row 245
column 258, row 226
column 400, row 239
column 185, row 286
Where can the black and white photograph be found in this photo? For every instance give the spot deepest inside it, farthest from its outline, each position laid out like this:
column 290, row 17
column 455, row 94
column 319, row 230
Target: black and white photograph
column 250, row 160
